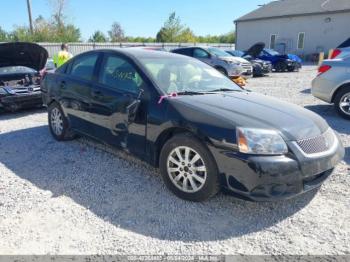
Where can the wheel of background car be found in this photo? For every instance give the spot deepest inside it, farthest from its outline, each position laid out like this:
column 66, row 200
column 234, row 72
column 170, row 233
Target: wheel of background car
column 291, row 69
column 222, row 70
column 342, row 102
column 281, row 67
column 188, row 168
column 58, row 123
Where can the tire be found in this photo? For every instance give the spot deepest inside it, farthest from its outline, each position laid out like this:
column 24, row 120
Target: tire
column 291, row 69
column 341, row 99
column 281, row 67
column 201, row 184
column 58, row 123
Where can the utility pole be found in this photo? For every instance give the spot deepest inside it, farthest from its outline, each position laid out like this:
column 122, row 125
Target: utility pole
column 30, row 16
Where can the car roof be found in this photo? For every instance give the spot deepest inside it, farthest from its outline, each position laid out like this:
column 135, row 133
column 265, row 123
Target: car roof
column 197, row 46
column 139, row 53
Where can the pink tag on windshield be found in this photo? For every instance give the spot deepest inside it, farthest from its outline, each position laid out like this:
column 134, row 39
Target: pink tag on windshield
column 171, row 95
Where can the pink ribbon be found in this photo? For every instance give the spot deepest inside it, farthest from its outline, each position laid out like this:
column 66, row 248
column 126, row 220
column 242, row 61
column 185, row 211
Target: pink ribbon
column 172, row 95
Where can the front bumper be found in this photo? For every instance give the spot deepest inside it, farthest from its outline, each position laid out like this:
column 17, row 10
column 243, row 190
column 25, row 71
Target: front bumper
column 270, row 178
column 235, row 71
column 18, row 101
column 260, row 70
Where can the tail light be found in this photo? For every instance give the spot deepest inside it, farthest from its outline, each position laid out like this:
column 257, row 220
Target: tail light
column 335, row 53
column 323, row 69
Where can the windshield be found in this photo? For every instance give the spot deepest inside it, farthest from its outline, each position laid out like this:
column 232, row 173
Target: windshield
column 217, row 52
column 7, row 70
column 271, row 52
column 182, row 74
column 237, row 53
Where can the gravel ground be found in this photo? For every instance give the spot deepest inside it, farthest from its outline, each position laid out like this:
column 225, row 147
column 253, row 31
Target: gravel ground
column 81, row 197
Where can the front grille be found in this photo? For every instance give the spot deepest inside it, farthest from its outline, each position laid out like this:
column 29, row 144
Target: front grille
column 26, row 90
column 317, row 144
column 246, row 65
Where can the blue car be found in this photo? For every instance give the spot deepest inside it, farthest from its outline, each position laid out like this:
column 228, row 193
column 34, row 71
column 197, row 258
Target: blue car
column 280, row 63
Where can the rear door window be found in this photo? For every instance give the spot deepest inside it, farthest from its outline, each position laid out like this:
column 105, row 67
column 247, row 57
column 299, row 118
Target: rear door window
column 200, row 53
column 83, row 66
column 184, row 51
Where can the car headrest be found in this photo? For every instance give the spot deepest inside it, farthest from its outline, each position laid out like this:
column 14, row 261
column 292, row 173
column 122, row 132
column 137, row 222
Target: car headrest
column 164, row 78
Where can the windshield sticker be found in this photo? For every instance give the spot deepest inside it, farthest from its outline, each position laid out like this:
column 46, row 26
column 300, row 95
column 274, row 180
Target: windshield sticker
column 172, row 95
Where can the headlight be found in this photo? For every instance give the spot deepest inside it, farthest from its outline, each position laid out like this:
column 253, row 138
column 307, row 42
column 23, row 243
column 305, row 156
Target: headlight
column 232, row 62
column 260, row 142
column 8, row 90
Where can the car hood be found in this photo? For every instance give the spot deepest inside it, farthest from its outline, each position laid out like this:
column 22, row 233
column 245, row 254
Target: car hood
column 235, row 59
column 229, row 58
column 249, row 109
column 255, row 50
column 23, row 54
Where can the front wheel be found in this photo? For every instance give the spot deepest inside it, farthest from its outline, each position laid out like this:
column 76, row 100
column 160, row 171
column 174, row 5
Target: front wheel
column 58, row 123
column 188, row 169
column 281, row 67
column 342, row 103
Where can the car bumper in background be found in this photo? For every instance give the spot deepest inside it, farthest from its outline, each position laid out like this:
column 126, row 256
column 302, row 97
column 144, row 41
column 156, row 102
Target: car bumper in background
column 18, row 101
column 323, row 88
column 269, row 178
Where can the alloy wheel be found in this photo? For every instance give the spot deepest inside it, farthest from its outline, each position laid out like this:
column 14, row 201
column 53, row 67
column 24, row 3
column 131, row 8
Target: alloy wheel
column 56, row 121
column 344, row 104
column 186, row 169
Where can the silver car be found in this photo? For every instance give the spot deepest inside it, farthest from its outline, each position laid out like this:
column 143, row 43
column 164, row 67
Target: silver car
column 342, row 51
column 332, row 84
column 219, row 59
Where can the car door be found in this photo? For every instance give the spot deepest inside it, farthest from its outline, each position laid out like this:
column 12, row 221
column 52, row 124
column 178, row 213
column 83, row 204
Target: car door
column 118, row 108
column 75, row 91
column 202, row 55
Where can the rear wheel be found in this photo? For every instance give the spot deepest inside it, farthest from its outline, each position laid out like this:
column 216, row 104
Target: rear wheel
column 58, row 123
column 188, row 168
column 342, row 102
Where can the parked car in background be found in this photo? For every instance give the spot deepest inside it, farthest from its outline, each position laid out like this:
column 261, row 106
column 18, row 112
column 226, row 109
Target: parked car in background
column 332, row 84
column 342, row 51
column 280, row 63
column 50, row 66
column 20, row 64
column 203, row 131
column 151, row 48
column 218, row 59
column 260, row 67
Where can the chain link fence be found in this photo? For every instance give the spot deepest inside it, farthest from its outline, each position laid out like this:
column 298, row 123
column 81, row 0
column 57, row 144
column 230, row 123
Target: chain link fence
column 77, row 48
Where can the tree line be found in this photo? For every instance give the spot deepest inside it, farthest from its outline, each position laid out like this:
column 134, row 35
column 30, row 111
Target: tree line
column 58, row 29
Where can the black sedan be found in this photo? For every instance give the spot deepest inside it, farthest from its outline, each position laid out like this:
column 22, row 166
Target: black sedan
column 203, row 131
column 19, row 75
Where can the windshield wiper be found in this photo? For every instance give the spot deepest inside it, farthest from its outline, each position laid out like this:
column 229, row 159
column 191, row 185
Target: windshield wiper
column 224, row 90
column 189, row 93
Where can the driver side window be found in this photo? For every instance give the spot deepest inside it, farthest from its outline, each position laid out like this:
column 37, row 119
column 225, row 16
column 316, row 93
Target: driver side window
column 200, row 53
column 117, row 73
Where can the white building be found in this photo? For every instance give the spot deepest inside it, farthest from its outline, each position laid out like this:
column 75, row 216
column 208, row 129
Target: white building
column 296, row 26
